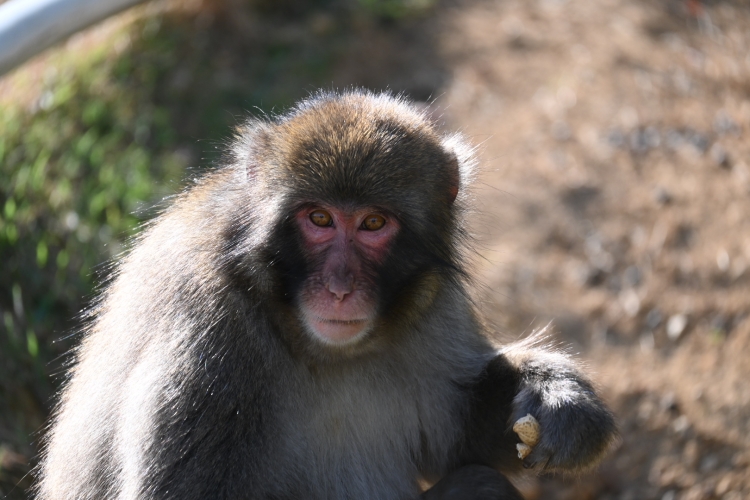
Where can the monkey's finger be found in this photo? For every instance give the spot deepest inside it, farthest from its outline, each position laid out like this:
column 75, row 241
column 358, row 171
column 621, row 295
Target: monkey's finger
column 539, row 458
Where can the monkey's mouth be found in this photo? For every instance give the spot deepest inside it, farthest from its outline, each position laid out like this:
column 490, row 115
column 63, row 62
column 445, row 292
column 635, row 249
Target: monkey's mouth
column 338, row 331
column 342, row 321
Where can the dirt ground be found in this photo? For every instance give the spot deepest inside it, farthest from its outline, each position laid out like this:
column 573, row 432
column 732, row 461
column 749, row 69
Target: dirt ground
column 614, row 200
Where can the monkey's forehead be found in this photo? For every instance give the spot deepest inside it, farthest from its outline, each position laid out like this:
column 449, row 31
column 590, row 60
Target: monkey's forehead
column 360, row 146
column 357, row 103
column 356, row 121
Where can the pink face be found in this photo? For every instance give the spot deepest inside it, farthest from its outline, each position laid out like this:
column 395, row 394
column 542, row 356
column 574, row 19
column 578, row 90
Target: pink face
column 338, row 300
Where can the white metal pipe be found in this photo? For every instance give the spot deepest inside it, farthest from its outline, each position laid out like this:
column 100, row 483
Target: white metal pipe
column 27, row 27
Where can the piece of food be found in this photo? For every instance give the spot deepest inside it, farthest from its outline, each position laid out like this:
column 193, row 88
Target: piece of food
column 523, row 450
column 528, row 430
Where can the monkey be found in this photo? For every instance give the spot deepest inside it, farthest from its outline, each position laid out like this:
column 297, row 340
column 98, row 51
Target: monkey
column 298, row 324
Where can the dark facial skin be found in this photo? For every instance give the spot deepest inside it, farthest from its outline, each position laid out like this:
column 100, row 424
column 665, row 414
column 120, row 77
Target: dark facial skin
column 298, row 325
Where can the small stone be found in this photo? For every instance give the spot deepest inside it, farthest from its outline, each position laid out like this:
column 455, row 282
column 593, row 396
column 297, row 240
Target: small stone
column 630, row 302
column 676, row 325
column 674, row 139
column 645, row 139
column 653, row 318
column 528, row 429
column 662, row 196
column 724, row 485
column 616, row 138
column 709, row 463
column 719, row 155
column 721, row 324
column 722, row 260
column 698, row 141
column 681, row 424
column 668, row 402
column 724, row 124
column 632, row 276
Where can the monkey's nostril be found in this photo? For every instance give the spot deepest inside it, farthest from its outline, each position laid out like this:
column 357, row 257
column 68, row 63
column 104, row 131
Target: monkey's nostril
column 339, row 288
column 338, row 294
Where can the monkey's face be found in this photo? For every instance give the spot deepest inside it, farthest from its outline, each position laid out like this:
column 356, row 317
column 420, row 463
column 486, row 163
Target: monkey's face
column 337, row 300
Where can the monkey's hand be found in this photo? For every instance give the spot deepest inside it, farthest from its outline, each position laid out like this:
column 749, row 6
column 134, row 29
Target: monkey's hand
column 575, row 427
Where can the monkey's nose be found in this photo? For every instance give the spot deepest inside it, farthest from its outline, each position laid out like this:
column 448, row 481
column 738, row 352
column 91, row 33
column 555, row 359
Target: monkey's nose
column 339, row 287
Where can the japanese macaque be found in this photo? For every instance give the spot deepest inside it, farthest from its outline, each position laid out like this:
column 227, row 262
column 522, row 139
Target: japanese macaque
column 297, row 325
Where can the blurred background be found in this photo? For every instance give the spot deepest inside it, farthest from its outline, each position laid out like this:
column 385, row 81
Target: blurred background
column 614, row 195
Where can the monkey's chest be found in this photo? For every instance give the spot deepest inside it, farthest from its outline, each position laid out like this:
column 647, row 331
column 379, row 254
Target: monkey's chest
column 353, row 441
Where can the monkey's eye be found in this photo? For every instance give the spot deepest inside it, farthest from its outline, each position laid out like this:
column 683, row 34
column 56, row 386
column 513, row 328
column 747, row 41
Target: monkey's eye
column 373, row 222
column 321, row 218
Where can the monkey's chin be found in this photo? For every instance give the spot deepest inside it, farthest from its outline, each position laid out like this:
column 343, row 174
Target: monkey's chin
column 336, row 331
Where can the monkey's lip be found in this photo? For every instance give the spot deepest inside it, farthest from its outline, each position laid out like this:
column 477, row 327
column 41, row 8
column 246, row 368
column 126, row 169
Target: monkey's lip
column 341, row 321
column 339, row 331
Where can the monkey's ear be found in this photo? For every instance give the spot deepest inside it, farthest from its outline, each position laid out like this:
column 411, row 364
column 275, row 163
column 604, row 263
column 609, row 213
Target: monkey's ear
column 454, row 176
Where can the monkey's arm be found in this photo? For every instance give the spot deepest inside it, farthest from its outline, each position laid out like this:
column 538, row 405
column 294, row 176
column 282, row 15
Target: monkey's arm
column 576, row 427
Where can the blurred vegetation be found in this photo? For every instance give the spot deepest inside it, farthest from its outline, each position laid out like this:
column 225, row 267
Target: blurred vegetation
column 111, row 133
column 77, row 169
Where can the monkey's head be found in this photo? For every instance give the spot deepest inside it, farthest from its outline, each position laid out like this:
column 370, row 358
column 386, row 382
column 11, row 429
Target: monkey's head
column 366, row 227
